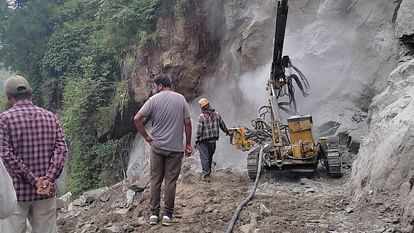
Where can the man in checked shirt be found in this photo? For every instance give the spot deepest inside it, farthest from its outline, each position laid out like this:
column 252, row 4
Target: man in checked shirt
column 208, row 126
column 33, row 149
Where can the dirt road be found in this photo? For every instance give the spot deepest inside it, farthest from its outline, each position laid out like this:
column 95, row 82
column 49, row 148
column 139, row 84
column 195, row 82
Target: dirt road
column 283, row 203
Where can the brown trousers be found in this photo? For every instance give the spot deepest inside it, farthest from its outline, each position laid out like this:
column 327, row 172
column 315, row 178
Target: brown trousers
column 165, row 165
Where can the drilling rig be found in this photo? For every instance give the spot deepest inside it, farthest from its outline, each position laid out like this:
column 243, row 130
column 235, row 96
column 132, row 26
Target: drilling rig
column 285, row 145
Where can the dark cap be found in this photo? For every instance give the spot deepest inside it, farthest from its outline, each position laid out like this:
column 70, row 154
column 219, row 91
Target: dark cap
column 163, row 79
column 16, row 84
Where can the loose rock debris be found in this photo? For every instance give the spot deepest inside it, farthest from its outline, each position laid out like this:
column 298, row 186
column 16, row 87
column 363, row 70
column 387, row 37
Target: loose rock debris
column 283, row 203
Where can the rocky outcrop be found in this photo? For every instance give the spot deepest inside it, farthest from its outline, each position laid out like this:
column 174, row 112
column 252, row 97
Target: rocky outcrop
column 138, row 164
column 404, row 28
column 384, row 165
column 248, row 35
column 385, row 161
column 185, row 45
column 342, row 46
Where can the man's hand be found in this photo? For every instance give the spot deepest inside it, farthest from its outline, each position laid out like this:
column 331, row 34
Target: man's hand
column 39, row 182
column 188, row 150
column 148, row 139
column 44, row 186
column 49, row 188
column 139, row 123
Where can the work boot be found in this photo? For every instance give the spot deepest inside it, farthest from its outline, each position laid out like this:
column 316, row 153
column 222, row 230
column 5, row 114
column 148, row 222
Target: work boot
column 169, row 219
column 206, row 178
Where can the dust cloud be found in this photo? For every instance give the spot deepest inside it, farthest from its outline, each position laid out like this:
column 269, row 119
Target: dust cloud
column 331, row 42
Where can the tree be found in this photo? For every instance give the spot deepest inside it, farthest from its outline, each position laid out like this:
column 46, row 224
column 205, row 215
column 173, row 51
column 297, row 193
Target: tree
column 70, row 51
column 24, row 32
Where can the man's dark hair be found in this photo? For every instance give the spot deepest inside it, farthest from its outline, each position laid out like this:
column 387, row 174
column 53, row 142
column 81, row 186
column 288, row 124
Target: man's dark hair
column 163, row 79
column 22, row 96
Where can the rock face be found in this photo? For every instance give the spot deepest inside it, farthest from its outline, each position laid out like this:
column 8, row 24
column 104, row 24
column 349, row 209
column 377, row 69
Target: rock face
column 385, row 160
column 404, row 28
column 248, row 30
column 345, row 48
column 185, row 45
column 385, row 164
column 138, row 164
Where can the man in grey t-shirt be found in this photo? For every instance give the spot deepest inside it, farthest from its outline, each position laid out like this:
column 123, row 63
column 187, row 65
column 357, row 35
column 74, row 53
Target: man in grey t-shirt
column 170, row 119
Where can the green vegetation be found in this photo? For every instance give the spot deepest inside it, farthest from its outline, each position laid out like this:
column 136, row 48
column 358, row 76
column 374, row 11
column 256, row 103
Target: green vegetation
column 3, row 76
column 71, row 51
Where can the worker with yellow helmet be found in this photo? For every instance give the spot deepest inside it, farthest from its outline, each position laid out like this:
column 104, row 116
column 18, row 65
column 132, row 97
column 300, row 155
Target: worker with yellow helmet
column 208, row 126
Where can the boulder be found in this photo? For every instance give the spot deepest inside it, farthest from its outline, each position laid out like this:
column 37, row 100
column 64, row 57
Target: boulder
column 404, row 25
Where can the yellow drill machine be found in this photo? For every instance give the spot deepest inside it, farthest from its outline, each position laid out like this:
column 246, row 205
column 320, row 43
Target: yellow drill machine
column 285, row 146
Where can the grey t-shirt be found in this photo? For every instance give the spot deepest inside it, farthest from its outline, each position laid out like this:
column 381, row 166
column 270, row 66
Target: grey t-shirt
column 167, row 109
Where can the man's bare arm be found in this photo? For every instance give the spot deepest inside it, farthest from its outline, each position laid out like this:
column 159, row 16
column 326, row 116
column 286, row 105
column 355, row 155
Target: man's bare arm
column 187, row 129
column 139, row 123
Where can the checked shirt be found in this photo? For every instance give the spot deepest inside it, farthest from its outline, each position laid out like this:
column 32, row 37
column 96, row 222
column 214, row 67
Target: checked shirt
column 31, row 145
column 209, row 123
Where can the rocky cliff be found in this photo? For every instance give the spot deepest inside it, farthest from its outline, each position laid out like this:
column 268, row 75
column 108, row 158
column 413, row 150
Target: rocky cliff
column 185, row 45
column 385, row 166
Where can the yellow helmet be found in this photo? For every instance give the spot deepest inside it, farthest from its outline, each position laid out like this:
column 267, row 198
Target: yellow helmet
column 203, row 102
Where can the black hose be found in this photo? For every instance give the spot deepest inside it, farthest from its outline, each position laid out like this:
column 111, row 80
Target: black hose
column 303, row 78
column 288, row 89
column 287, row 136
column 245, row 201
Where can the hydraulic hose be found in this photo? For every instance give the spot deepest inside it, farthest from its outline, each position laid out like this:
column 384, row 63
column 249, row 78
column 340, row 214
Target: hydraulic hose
column 251, row 195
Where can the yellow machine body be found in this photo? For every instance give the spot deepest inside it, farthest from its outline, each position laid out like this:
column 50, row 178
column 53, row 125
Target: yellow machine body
column 301, row 138
column 239, row 139
column 300, row 128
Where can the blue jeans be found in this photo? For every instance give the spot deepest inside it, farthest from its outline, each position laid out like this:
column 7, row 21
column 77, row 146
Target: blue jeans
column 207, row 149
